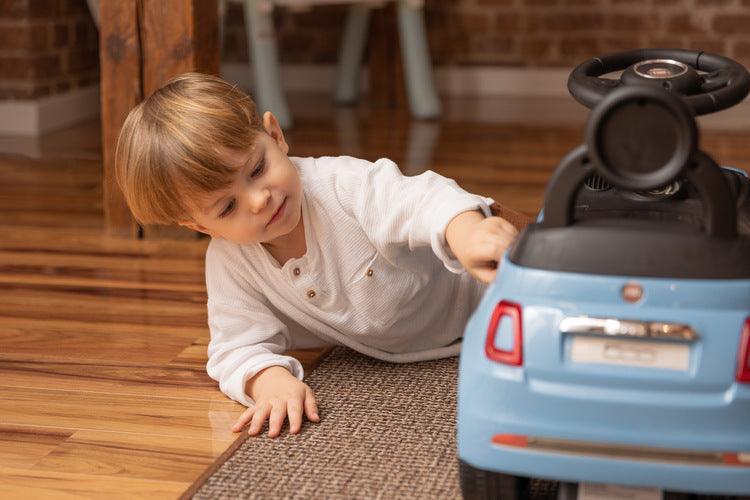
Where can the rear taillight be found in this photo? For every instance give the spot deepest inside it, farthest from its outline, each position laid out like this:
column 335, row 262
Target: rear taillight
column 513, row 355
column 743, row 355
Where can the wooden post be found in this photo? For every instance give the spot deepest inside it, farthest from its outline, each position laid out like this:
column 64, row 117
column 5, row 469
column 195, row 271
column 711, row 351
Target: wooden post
column 143, row 43
column 121, row 91
column 178, row 36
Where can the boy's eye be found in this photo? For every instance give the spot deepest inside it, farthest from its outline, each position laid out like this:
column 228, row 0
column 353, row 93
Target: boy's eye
column 228, row 209
column 259, row 169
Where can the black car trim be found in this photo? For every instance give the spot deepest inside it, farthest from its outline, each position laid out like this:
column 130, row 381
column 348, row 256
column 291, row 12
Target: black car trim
column 622, row 248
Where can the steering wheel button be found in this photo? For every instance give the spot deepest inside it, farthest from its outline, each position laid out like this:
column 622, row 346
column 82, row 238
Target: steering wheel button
column 660, row 68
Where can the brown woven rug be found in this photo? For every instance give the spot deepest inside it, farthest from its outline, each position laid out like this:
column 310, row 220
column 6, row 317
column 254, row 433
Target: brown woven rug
column 386, row 431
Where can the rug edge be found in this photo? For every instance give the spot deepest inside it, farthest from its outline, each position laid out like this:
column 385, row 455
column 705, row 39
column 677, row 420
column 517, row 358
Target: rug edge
column 216, row 464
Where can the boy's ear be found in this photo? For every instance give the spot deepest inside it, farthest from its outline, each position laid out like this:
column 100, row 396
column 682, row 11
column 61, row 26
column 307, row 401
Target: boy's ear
column 271, row 124
column 195, row 227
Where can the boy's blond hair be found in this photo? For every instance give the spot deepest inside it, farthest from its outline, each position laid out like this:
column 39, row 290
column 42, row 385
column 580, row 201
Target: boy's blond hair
column 168, row 151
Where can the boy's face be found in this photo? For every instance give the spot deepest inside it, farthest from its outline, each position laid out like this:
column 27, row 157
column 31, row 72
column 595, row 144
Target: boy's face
column 264, row 203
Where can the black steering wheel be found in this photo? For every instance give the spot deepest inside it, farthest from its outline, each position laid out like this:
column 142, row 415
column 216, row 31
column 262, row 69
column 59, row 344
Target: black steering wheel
column 706, row 82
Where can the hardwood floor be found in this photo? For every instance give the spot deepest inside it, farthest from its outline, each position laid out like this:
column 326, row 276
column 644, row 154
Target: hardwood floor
column 103, row 341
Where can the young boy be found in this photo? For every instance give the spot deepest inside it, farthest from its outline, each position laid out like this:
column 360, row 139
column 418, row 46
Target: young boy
column 305, row 252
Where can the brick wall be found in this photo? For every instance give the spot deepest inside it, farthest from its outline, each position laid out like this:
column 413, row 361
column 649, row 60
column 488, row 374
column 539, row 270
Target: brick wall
column 46, row 47
column 526, row 32
column 51, row 46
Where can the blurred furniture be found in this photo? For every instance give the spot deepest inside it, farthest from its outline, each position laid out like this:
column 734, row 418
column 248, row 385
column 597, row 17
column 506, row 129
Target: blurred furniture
column 420, row 87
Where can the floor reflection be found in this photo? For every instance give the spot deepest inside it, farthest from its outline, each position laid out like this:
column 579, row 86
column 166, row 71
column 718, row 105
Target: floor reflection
column 420, row 146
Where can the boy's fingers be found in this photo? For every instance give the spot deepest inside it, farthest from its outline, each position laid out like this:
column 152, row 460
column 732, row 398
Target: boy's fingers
column 484, row 274
column 502, row 224
column 294, row 413
column 311, row 406
column 488, row 252
column 493, row 248
column 243, row 419
column 278, row 414
column 259, row 418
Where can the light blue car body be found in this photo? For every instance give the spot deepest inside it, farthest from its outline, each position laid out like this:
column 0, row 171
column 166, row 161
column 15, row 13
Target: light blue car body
column 703, row 408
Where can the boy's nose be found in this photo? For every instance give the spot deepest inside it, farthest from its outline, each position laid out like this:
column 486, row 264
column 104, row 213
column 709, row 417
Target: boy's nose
column 258, row 199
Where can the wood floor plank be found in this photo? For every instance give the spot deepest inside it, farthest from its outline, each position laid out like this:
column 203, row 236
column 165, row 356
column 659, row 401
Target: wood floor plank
column 81, row 282
column 193, row 356
column 24, row 447
column 140, row 414
column 63, row 239
column 138, row 456
column 70, row 341
column 72, row 201
column 43, row 219
column 23, row 484
column 111, row 271
column 78, row 340
column 191, row 268
column 102, row 304
column 124, row 379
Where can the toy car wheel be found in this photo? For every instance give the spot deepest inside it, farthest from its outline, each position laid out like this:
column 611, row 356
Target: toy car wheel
column 481, row 484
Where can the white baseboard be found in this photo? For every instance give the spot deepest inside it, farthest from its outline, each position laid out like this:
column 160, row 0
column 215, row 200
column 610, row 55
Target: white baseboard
column 505, row 82
column 530, row 95
column 46, row 114
column 312, row 78
column 522, row 95
column 451, row 81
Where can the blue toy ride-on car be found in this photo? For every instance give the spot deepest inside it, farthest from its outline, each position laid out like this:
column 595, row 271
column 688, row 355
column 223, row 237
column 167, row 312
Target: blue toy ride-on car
column 613, row 347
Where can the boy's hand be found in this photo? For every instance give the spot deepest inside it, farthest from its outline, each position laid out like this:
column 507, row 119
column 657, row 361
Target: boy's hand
column 278, row 395
column 478, row 242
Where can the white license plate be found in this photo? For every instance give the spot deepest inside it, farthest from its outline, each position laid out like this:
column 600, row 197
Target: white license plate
column 592, row 491
column 641, row 353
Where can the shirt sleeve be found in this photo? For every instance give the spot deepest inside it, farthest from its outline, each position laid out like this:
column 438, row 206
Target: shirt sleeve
column 396, row 209
column 246, row 336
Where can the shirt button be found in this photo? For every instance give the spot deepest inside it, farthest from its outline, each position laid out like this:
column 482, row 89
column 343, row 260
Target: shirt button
column 369, row 272
column 311, row 293
column 296, row 271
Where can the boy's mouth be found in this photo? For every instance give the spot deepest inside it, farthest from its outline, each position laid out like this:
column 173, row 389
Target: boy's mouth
column 279, row 213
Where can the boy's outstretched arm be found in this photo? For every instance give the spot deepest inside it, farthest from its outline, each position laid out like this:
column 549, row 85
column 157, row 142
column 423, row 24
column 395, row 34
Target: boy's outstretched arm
column 278, row 395
column 478, row 242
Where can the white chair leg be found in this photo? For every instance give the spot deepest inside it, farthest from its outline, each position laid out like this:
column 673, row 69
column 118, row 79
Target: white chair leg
column 420, row 146
column 420, row 83
column 94, row 9
column 347, row 131
column 265, row 60
column 350, row 53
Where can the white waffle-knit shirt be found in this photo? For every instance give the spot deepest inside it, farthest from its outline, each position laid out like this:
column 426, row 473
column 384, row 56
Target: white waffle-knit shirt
column 378, row 275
